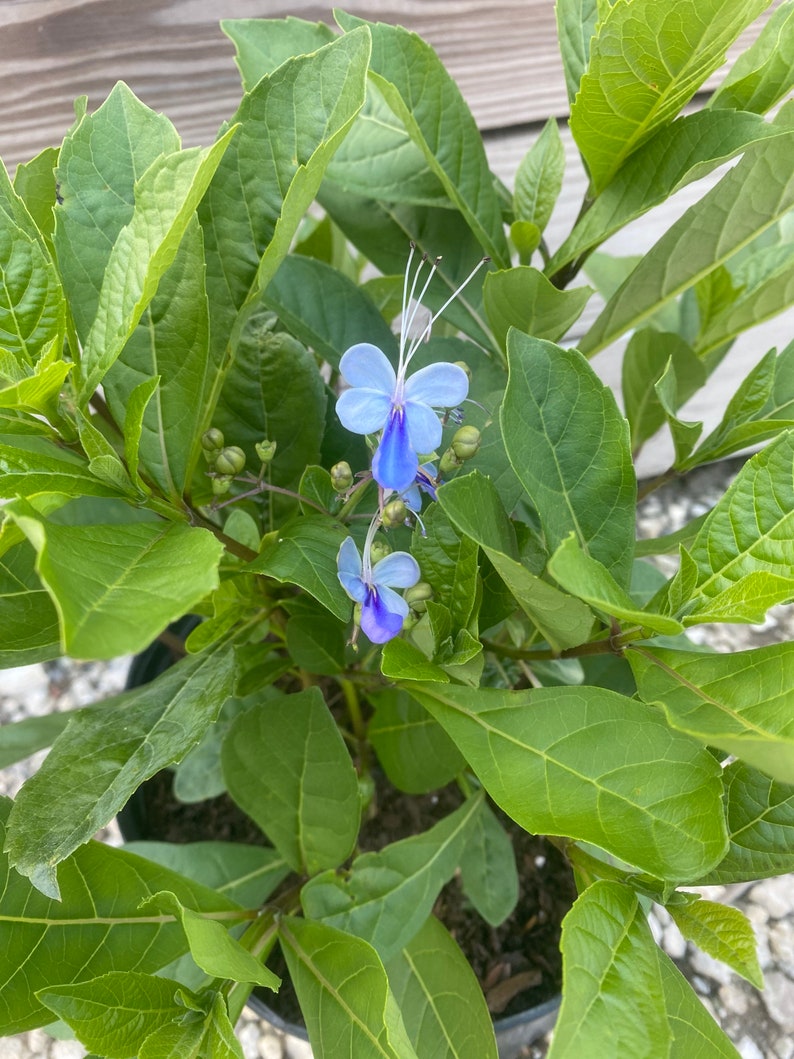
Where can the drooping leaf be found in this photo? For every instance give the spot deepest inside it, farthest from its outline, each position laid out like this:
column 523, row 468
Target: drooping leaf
column 488, row 872
column 522, row 297
column 107, row 754
column 286, row 765
column 762, row 75
column 723, row 932
column 593, row 765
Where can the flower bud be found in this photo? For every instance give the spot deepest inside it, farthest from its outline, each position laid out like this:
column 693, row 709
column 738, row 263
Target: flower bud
column 379, row 550
column 222, row 484
column 341, row 476
column 449, row 464
column 466, row 442
column 410, row 621
column 211, row 443
column 266, row 450
column 230, row 460
column 394, row 514
column 417, row 597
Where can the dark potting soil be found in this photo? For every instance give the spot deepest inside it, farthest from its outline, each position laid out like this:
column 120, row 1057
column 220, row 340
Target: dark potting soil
column 518, row 963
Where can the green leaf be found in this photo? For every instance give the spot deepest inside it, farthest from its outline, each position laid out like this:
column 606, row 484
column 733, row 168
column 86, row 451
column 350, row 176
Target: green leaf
column 107, row 760
column 304, row 554
column 724, row 933
column 263, row 44
column 402, row 660
column 762, row 75
column 612, row 982
column 115, row 1013
column 569, row 445
column 386, row 896
column 34, row 182
column 740, row 562
column 118, row 586
column 20, row 739
column 739, row 702
column 427, row 101
column 215, row 951
column 440, row 999
column 538, row 180
column 695, row 1033
column 32, row 307
column 39, row 392
column 583, row 576
column 488, row 871
column 96, row 927
column 685, row 434
column 760, row 817
column 342, row 990
column 209, row 1034
column 576, row 23
column 646, row 62
column 522, row 297
column 747, row 200
column 286, row 765
column 473, row 505
column 316, row 643
column 166, row 197
column 414, row 751
column 449, row 565
column 693, row 146
column 592, row 765
column 102, row 158
column 31, row 465
column 325, row 309
column 29, row 630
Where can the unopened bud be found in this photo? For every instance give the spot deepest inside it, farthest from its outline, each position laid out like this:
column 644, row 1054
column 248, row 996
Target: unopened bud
column 265, row 450
column 230, row 460
column 341, row 476
column 449, row 464
column 410, row 620
column 394, row 514
column 222, row 484
column 417, row 597
column 379, row 550
column 466, row 442
column 212, row 441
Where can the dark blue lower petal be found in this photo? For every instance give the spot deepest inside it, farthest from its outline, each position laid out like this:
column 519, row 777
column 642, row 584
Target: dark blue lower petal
column 395, row 463
column 378, row 622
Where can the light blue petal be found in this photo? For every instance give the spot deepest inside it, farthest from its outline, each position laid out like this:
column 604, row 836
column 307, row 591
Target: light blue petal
column 379, row 620
column 363, row 411
column 396, row 604
column 348, row 560
column 354, row 586
column 424, row 426
column 395, row 462
column 438, row 385
column 397, row 570
column 366, row 365
column 412, row 498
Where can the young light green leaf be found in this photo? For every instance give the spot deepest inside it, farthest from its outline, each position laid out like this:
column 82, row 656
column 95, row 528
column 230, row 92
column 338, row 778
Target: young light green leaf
column 414, row 751
column 763, row 74
column 538, row 179
column 402, row 660
column 117, row 586
column 287, row 767
column 522, row 297
column 648, row 795
column 342, row 990
column 28, row 619
column 584, row 577
column 760, row 816
column 576, row 23
column 644, row 362
column 612, row 981
column 646, row 62
column 39, row 392
column 108, row 760
column 305, row 554
column 569, row 445
column 50, row 943
column 386, row 896
column 263, row 44
column 427, row 101
column 440, row 999
column 747, row 200
column 209, row 1034
column 724, row 933
column 488, row 871
column 668, row 392
column 473, row 505
column 739, row 703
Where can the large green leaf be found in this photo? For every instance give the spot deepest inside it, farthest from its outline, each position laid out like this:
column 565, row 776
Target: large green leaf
column 695, row 1034
column 687, row 150
column 473, row 505
column 287, row 767
column 118, row 586
column 569, row 445
column 343, row 993
column 29, row 630
column 593, row 765
column 741, row 561
column 96, row 927
column 32, row 307
column 760, row 816
column 522, row 297
column 386, row 896
column 747, row 200
column 740, row 703
column 166, row 197
column 763, row 74
column 440, row 999
column 647, row 60
column 576, row 23
column 427, row 101
column 107, row 754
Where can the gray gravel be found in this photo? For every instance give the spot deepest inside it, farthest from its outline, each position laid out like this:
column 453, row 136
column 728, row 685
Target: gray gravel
column 760, row 1024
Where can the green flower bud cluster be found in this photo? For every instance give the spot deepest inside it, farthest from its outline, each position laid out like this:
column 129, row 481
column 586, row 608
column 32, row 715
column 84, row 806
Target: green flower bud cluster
column 417, row 597
column 394, row 514
column 465, row 445
column 379, row 550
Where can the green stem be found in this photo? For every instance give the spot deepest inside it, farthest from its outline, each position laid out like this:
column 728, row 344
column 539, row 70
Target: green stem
column 655, row 483
column 613, row 644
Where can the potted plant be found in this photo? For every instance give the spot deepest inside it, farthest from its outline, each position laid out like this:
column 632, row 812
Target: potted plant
column 412, row 555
